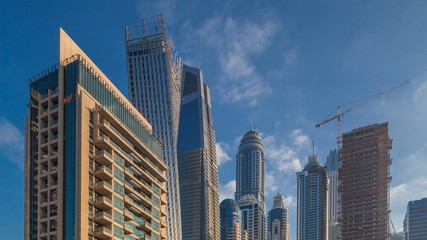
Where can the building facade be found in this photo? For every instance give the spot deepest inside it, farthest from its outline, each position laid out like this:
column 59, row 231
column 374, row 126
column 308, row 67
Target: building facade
column 250, row 184
column 93, row 166
column 231, row 220
column 365, row 182
column 332, row 166
column 154, row 78
column 197, row 163
column 253, row 218
column 415, row 223
column 312, row 201
column 278, row 220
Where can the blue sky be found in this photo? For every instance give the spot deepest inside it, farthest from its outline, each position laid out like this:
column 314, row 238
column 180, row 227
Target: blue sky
column 285, row 64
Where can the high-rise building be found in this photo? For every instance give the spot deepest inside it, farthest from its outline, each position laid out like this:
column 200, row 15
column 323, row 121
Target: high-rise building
column 278, row 220
column 312, row 198
column 253, row 217
column 332, row 166
column 231, row 220
column 415, row 223
column 364, row 182
column 197, row 164
column 250, row 184
column 250, row 167
column 93, row 166
column 154, row 73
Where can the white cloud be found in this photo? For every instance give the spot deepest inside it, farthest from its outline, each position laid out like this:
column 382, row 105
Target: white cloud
column 291, row 202
column 300, row 139
column 291, row 57
column 221, row 153
column 401, row 194
column 283, row 157
column 420, row 92
column 11, row 143
column 227, row 190
column 270, row 184
column 236, row 42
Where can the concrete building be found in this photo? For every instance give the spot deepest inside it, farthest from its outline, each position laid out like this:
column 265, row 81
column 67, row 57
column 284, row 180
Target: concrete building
column 154, row 74
column 253, row 217
column 332, row 166
column 231, row 220
column 197, row 163
column 278, row 220
column 93, row 166
column 312, row 201
column 250, row 184
column 415, row 223
column 365, row 182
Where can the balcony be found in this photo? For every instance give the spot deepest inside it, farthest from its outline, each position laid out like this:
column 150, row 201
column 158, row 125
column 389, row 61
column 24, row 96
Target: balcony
column 146, row 226
column 103, row 203
column 103, row 218
column 103, row 173
column 103, row 188
column 116, row 135
column 128, row 215
column 128, row 228
column 163, row 234
column 103, row 233
column 104, row 142
column 103, row 157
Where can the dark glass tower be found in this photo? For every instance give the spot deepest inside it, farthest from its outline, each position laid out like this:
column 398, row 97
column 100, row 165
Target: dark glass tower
column 198, row 170
column 312, row 215
column 250, row 189
column 154, row 73
column 231, row 220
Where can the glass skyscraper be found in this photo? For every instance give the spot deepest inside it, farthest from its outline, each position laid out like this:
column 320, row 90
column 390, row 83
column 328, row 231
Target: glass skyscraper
column 415, row 223
column 278, row 220
column 231, row 220
column 154, row 73
column 250, row 184
column 198, row 170
column 93, row 166
column 332, row 166
column 312, row 198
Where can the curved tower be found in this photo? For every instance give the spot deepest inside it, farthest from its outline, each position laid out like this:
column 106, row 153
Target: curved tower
column 154, row 79
column 231, row 220
column 250, row 184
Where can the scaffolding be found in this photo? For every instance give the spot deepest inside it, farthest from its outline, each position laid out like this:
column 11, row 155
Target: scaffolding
column 364, row 182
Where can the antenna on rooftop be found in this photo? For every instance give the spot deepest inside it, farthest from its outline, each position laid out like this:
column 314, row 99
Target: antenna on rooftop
column 313, row 147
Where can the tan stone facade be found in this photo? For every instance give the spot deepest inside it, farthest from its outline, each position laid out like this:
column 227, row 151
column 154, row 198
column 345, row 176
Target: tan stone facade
column 89, row 173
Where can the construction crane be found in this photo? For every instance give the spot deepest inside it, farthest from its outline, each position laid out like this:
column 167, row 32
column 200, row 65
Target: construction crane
column 367, row 100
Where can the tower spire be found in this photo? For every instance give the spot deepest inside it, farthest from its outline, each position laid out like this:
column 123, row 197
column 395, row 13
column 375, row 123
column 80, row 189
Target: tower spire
column 313, row 147
column 250, row 126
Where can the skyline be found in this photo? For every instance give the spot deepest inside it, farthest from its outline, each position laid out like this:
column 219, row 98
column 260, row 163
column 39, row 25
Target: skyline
column 375, row 44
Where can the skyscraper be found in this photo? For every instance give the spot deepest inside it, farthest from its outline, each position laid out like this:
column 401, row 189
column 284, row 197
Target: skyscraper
column 197, row 164
column 278, row 220
column 154, row 73
column 312, row 207
column 415, row 223
column 332, row 166
column 250, row 189
column 93, row 166
column 364, row 182
column 231, row 220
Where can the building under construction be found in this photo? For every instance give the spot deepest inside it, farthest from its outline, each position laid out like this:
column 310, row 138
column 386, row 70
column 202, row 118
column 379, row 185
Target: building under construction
column 364, row 182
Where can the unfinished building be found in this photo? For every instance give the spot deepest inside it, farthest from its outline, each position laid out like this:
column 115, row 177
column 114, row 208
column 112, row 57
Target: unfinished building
column 364, row 182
